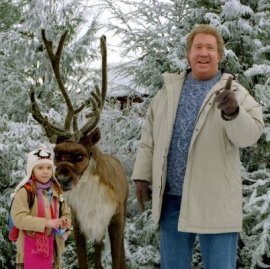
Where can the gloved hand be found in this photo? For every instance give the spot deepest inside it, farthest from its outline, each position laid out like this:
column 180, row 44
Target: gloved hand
column 143, row 192
column 226, row 99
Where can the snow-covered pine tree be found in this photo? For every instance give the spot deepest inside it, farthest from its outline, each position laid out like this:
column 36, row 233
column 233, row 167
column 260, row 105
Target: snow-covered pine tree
column 255, row 238
column 154, row 33
column 24, row 63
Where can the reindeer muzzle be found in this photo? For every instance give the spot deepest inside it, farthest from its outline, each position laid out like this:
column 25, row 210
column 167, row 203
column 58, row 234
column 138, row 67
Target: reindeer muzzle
column 65, row 182
column 67, row 175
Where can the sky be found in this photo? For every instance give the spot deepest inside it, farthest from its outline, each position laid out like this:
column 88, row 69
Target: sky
column 113, row 41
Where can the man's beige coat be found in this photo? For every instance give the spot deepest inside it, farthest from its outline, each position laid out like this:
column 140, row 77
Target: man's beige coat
column 212, row 191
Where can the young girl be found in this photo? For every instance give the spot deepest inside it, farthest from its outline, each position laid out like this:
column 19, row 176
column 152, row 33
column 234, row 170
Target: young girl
column 43, row 227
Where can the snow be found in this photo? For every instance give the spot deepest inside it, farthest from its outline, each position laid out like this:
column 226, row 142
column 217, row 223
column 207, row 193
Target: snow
column 234, row 9
column 258, row 69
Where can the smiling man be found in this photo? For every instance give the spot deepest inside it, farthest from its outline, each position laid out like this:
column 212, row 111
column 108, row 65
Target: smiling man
column 189, row 152
column 204, row 55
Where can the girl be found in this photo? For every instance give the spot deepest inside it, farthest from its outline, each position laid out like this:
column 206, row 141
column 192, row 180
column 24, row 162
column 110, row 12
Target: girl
column 43, row 227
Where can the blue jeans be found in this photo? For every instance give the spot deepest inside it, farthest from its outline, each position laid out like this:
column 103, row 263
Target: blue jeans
column 219, row 251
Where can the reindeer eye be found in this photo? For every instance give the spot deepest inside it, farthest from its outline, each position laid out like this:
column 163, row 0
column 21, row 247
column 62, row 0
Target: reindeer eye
column 77, row 157
column 57, row 156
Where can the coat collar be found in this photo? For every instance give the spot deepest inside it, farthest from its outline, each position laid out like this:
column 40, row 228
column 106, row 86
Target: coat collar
column 174, row 81
column 173, row 86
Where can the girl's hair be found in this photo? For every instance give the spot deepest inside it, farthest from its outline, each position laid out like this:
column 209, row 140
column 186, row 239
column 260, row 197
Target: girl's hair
column 209, row 30
column 57, row 186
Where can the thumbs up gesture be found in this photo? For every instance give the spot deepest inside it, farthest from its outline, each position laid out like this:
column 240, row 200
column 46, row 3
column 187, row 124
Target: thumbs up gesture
column 226, row 99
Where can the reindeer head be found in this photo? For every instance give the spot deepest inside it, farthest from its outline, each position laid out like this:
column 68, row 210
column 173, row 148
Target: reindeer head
column 71, row 159
column 74, row 146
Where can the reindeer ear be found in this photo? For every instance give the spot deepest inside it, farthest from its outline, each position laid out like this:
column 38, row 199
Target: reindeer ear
column 92, row 138
column 95, row 136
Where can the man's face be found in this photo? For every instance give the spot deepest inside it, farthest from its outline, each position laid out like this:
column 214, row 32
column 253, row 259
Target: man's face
column 204, row 57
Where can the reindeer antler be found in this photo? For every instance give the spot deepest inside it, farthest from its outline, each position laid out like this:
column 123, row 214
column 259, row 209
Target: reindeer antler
column 96, row 100
column 51, row 131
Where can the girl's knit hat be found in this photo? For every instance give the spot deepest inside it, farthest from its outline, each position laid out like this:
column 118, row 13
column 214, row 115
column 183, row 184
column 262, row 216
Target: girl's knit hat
column 41, row 155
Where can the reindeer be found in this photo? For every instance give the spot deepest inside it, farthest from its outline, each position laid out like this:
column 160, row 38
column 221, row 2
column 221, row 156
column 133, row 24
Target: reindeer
column 94, row 183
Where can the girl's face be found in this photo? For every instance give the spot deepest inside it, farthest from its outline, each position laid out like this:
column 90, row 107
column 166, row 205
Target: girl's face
column 43, row 172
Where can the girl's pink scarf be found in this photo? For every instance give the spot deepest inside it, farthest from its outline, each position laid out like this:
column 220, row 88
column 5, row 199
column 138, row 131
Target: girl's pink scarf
column 42, row 242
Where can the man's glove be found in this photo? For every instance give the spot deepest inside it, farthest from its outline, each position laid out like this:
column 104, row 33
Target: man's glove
column 143, row 192
column 226, row 100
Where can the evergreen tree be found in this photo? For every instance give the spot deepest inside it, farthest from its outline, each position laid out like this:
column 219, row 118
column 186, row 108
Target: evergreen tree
column 24, row 64
column 155, row 33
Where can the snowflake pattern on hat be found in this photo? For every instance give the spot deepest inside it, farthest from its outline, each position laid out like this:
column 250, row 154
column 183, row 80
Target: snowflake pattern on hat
column 41, row 154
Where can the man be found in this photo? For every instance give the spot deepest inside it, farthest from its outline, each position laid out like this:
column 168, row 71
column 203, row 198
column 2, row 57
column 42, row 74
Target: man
column 189, row 152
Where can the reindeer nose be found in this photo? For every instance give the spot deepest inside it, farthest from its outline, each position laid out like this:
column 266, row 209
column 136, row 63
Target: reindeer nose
column 65, row 182
column 62, row 171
